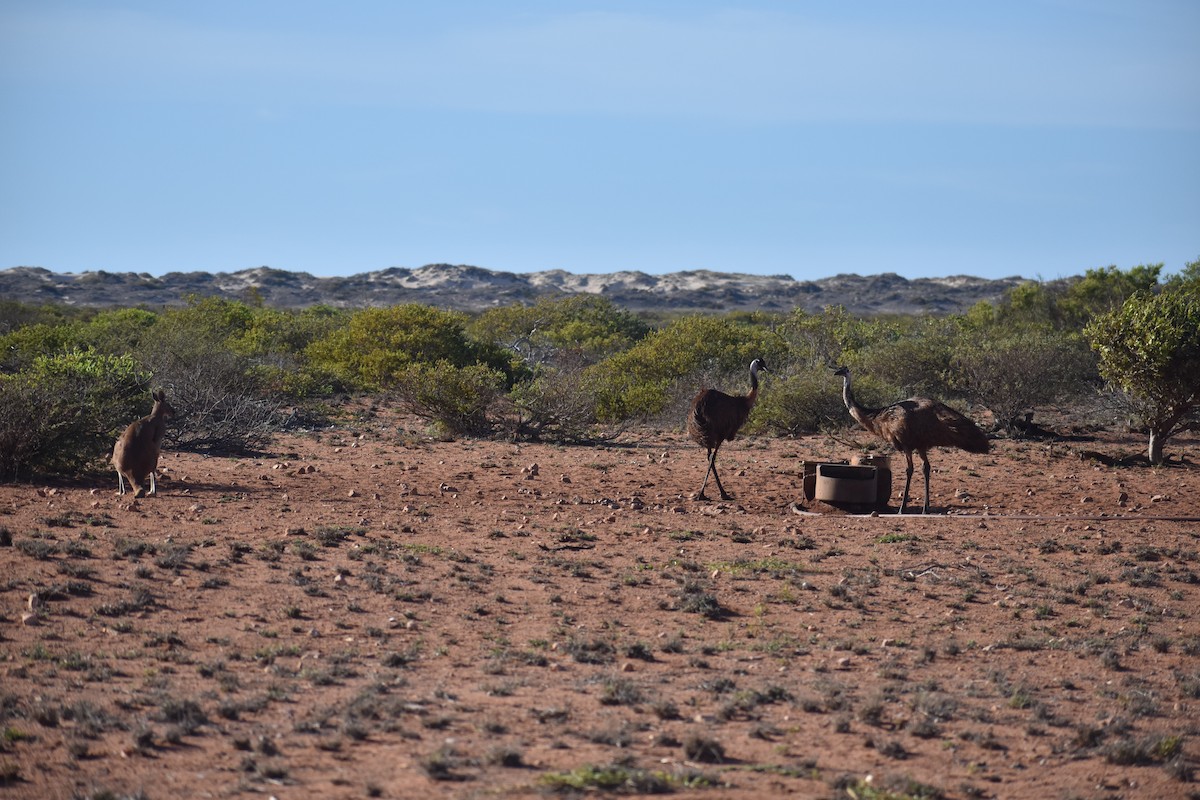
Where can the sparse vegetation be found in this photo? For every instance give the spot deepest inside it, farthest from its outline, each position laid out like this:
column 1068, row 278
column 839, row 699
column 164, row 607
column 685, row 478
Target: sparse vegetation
column 505, row 610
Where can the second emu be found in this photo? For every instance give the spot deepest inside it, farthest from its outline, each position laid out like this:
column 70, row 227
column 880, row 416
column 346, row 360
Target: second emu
column 716, row 417
column 916, row 424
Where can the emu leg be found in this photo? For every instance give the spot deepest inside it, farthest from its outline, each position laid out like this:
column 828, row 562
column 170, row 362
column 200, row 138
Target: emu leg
column 120, row 483
column 711, row 456
column 925, row 469
column 907, row 481
column 716, row 476
column 153, row 485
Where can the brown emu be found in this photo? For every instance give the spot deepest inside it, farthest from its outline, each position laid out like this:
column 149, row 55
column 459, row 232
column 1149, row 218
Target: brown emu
column 136, row 453
column 716, row 417
column 916, row 424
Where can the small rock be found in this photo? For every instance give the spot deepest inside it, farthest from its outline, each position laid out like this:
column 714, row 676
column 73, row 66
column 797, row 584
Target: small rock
column 352, row 493
column 29, row 619
column 564, row 478
column 627, row 666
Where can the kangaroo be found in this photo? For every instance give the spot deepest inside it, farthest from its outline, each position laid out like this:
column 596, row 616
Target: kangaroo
column 136, row 453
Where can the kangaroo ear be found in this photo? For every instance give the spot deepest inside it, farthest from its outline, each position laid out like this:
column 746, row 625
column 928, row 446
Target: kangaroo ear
column 159, row 395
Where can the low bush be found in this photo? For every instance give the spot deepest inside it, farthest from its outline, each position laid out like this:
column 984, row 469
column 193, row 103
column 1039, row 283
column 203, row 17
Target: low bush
column 457, row 400
column 64, row 412
column 805, row 402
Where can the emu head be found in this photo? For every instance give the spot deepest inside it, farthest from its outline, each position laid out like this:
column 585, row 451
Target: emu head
column 843, row 372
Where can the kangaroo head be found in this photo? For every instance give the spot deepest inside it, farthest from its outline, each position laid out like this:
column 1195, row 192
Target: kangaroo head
column 161, row 407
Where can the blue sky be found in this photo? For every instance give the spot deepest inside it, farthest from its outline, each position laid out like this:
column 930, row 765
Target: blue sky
column 1035, row 137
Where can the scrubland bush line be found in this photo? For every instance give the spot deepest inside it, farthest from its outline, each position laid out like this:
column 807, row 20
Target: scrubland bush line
column 572, row 369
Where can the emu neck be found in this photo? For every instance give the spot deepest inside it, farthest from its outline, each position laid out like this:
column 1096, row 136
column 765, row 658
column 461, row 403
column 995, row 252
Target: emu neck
column 752, row 397
column 852, row 405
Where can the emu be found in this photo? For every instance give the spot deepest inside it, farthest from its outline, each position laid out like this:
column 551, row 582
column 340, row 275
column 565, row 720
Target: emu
column 135, row 454
column 916, row 424
column 716, row 417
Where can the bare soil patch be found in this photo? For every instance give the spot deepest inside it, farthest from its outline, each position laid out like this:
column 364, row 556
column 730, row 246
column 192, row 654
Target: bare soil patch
column 366, row 613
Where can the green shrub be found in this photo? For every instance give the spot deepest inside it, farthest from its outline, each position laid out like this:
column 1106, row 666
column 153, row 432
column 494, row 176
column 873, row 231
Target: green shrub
column 581, row 330
column 63, row 413
column 455, row 399
column 220, row 397
column 806, row 402
column 276, row 341
column 1150, row 349
column 1027, row 368
column 556, row 405
column 826, row 339
column 908, row 356
column 377, row 345
column 119, row 331
column 20, row 348
column 15, row 315
column 661, row 373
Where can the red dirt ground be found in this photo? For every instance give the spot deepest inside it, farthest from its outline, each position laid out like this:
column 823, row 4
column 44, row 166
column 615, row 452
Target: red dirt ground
column 366, row 613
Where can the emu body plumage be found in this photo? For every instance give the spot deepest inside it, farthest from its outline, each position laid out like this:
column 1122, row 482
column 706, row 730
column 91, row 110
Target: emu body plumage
column 917, row 424
column 716, row 417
